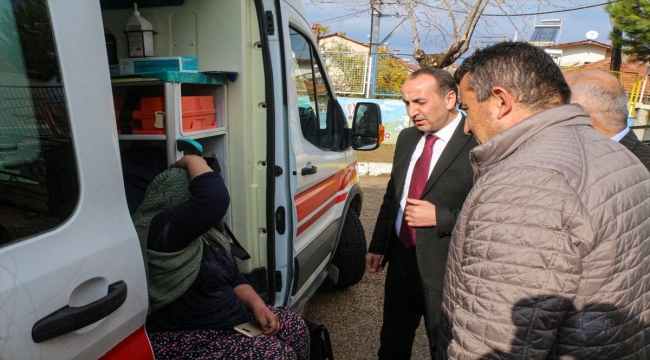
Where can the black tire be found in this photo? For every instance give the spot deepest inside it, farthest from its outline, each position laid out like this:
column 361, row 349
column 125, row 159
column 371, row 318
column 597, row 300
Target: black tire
column 350, row 256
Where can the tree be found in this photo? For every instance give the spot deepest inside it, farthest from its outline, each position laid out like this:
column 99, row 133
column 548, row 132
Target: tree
column 445, row 24
column 632, row 18
column 460, row 35
column 391, row 74
column 322, row 31
column 617, row 59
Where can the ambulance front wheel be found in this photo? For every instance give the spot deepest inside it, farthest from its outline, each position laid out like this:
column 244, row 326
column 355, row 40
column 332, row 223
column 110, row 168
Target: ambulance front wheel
column 350, row 256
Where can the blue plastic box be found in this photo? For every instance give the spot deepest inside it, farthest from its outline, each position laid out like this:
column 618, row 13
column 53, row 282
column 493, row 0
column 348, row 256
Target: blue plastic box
column 158, row 64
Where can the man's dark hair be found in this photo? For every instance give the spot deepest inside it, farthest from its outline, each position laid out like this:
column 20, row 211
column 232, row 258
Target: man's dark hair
column 443, row 78
column 526, row 71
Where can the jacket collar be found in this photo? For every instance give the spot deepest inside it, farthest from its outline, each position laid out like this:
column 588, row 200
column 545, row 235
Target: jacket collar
column 486, row 156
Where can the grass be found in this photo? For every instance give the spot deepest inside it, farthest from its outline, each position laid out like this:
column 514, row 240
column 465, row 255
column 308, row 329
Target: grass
column 383, row 154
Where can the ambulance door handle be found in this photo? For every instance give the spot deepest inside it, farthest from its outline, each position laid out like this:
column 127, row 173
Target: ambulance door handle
column 68, row 319
column 308, row 170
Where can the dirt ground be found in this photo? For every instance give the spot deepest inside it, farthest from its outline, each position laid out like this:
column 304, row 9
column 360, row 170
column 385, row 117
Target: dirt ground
column 384, row 153
column 354, row 315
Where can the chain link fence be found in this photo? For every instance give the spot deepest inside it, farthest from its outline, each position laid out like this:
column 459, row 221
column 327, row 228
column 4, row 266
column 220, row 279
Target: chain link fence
column 382, row 75
column 390, row 72
column 34, row 110
column 348, row 71
column 355, row 73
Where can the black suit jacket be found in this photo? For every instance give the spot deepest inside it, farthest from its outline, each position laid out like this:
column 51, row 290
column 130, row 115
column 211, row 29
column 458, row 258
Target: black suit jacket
column 637, row 147
column 447, row 187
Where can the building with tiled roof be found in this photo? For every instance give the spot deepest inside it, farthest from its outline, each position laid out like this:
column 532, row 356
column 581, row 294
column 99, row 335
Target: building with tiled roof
column 579, row 53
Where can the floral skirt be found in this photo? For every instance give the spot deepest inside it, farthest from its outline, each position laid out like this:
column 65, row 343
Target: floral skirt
column 290, row 343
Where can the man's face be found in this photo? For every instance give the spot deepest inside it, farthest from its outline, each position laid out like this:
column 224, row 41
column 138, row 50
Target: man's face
column 424, row 106
column 480, row 120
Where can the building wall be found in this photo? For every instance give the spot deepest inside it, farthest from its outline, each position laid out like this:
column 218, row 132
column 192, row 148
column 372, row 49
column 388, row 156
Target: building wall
column 581, row 54
column 331, row 41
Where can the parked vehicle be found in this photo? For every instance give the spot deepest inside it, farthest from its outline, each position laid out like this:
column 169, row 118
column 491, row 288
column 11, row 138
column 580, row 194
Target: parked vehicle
column 72, row 280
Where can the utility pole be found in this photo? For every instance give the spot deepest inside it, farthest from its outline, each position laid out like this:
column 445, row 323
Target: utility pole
column 374, row 25
column 374, row 43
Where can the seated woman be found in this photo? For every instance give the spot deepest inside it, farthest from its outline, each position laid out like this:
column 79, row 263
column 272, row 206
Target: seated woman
column 196, row 292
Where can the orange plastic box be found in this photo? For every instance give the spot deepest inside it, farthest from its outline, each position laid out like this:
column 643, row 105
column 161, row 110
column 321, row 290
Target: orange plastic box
column 198, row 114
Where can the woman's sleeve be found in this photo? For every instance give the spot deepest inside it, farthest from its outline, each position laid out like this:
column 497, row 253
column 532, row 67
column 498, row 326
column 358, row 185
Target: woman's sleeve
column 238, row 279
column 175, row 228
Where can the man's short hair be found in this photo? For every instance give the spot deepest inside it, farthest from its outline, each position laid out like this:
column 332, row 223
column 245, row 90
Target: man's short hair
column 526, row 71
column 445, row 81
column 608, row 105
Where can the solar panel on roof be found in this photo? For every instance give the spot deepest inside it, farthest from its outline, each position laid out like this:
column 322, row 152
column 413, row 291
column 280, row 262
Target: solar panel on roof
column 544, row 34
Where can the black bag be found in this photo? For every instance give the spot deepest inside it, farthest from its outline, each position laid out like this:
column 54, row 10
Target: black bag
column 320, row 345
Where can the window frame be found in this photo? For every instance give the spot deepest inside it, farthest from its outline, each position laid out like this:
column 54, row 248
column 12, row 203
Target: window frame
column 315, row 59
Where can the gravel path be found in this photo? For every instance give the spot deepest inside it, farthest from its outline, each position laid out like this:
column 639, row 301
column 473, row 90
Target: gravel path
column 353, row 315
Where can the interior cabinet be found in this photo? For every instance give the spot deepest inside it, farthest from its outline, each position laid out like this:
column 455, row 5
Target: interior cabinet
column 172, row 86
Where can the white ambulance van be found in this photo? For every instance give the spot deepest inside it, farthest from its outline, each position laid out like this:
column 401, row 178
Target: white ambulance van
column 241, row 81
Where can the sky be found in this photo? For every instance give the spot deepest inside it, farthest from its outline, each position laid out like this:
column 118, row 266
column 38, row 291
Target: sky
column 575, row 24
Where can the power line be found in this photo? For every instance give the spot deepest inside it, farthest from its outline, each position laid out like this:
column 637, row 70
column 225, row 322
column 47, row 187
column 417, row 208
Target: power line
column 530, row 14
column 342, row 16
column 391, row 33
column 555, row 11
column 494, row 15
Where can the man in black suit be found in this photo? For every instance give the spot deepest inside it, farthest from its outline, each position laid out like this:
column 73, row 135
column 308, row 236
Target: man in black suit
column 430, row 179
column 602, row 95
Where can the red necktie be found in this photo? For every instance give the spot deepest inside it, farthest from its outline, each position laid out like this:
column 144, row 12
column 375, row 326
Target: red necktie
column 419, row 179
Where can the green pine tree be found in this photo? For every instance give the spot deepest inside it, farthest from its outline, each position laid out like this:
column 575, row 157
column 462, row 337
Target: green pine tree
column 632, row 17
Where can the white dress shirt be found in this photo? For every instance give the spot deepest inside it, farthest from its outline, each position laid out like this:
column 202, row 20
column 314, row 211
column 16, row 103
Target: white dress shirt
column 621, row 135
column 444, row 135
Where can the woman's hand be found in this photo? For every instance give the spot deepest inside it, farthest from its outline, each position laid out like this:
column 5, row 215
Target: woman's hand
column 267, row 319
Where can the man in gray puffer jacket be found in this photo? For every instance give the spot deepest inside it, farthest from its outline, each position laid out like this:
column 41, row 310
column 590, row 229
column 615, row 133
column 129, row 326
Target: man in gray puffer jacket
column 550, row 255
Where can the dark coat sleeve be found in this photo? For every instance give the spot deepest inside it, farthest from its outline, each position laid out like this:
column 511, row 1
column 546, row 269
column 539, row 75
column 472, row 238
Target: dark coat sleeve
column 637, row 147
column 176, row 227
column 445, row 219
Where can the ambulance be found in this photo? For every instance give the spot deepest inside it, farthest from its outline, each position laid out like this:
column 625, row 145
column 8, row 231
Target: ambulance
column 98, row 96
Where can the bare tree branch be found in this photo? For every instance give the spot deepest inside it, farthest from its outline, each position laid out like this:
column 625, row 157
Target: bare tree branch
column 414, row 28
column 452, row 17
column 450, row 24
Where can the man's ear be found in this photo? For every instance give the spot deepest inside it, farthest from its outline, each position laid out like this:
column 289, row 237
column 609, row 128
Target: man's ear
column 503, row 100
column 450, row 100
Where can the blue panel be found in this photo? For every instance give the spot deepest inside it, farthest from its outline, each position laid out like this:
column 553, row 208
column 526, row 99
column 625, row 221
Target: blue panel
column 544, row 34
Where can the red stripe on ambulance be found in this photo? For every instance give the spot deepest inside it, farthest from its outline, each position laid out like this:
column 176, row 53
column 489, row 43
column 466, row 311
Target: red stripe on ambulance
column 311, row 199
column 135, row 347
column 324, row 192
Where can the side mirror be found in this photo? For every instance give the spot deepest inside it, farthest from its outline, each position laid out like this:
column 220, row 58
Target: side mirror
column 367, row 129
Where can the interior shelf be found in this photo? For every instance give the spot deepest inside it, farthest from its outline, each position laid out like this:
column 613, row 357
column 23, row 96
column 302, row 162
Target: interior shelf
column 141, row 137
column 174, row 76
column 189, row 135
column 173, row 85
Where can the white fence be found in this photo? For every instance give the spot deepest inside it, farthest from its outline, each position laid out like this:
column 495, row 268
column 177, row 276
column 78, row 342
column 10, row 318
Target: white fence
column 348, row 71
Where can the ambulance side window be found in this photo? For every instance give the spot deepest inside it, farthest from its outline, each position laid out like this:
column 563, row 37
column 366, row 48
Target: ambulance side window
column 312, row 93
column 39, row 185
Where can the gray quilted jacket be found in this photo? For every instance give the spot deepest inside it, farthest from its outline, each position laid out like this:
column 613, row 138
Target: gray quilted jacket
column 549, row 257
